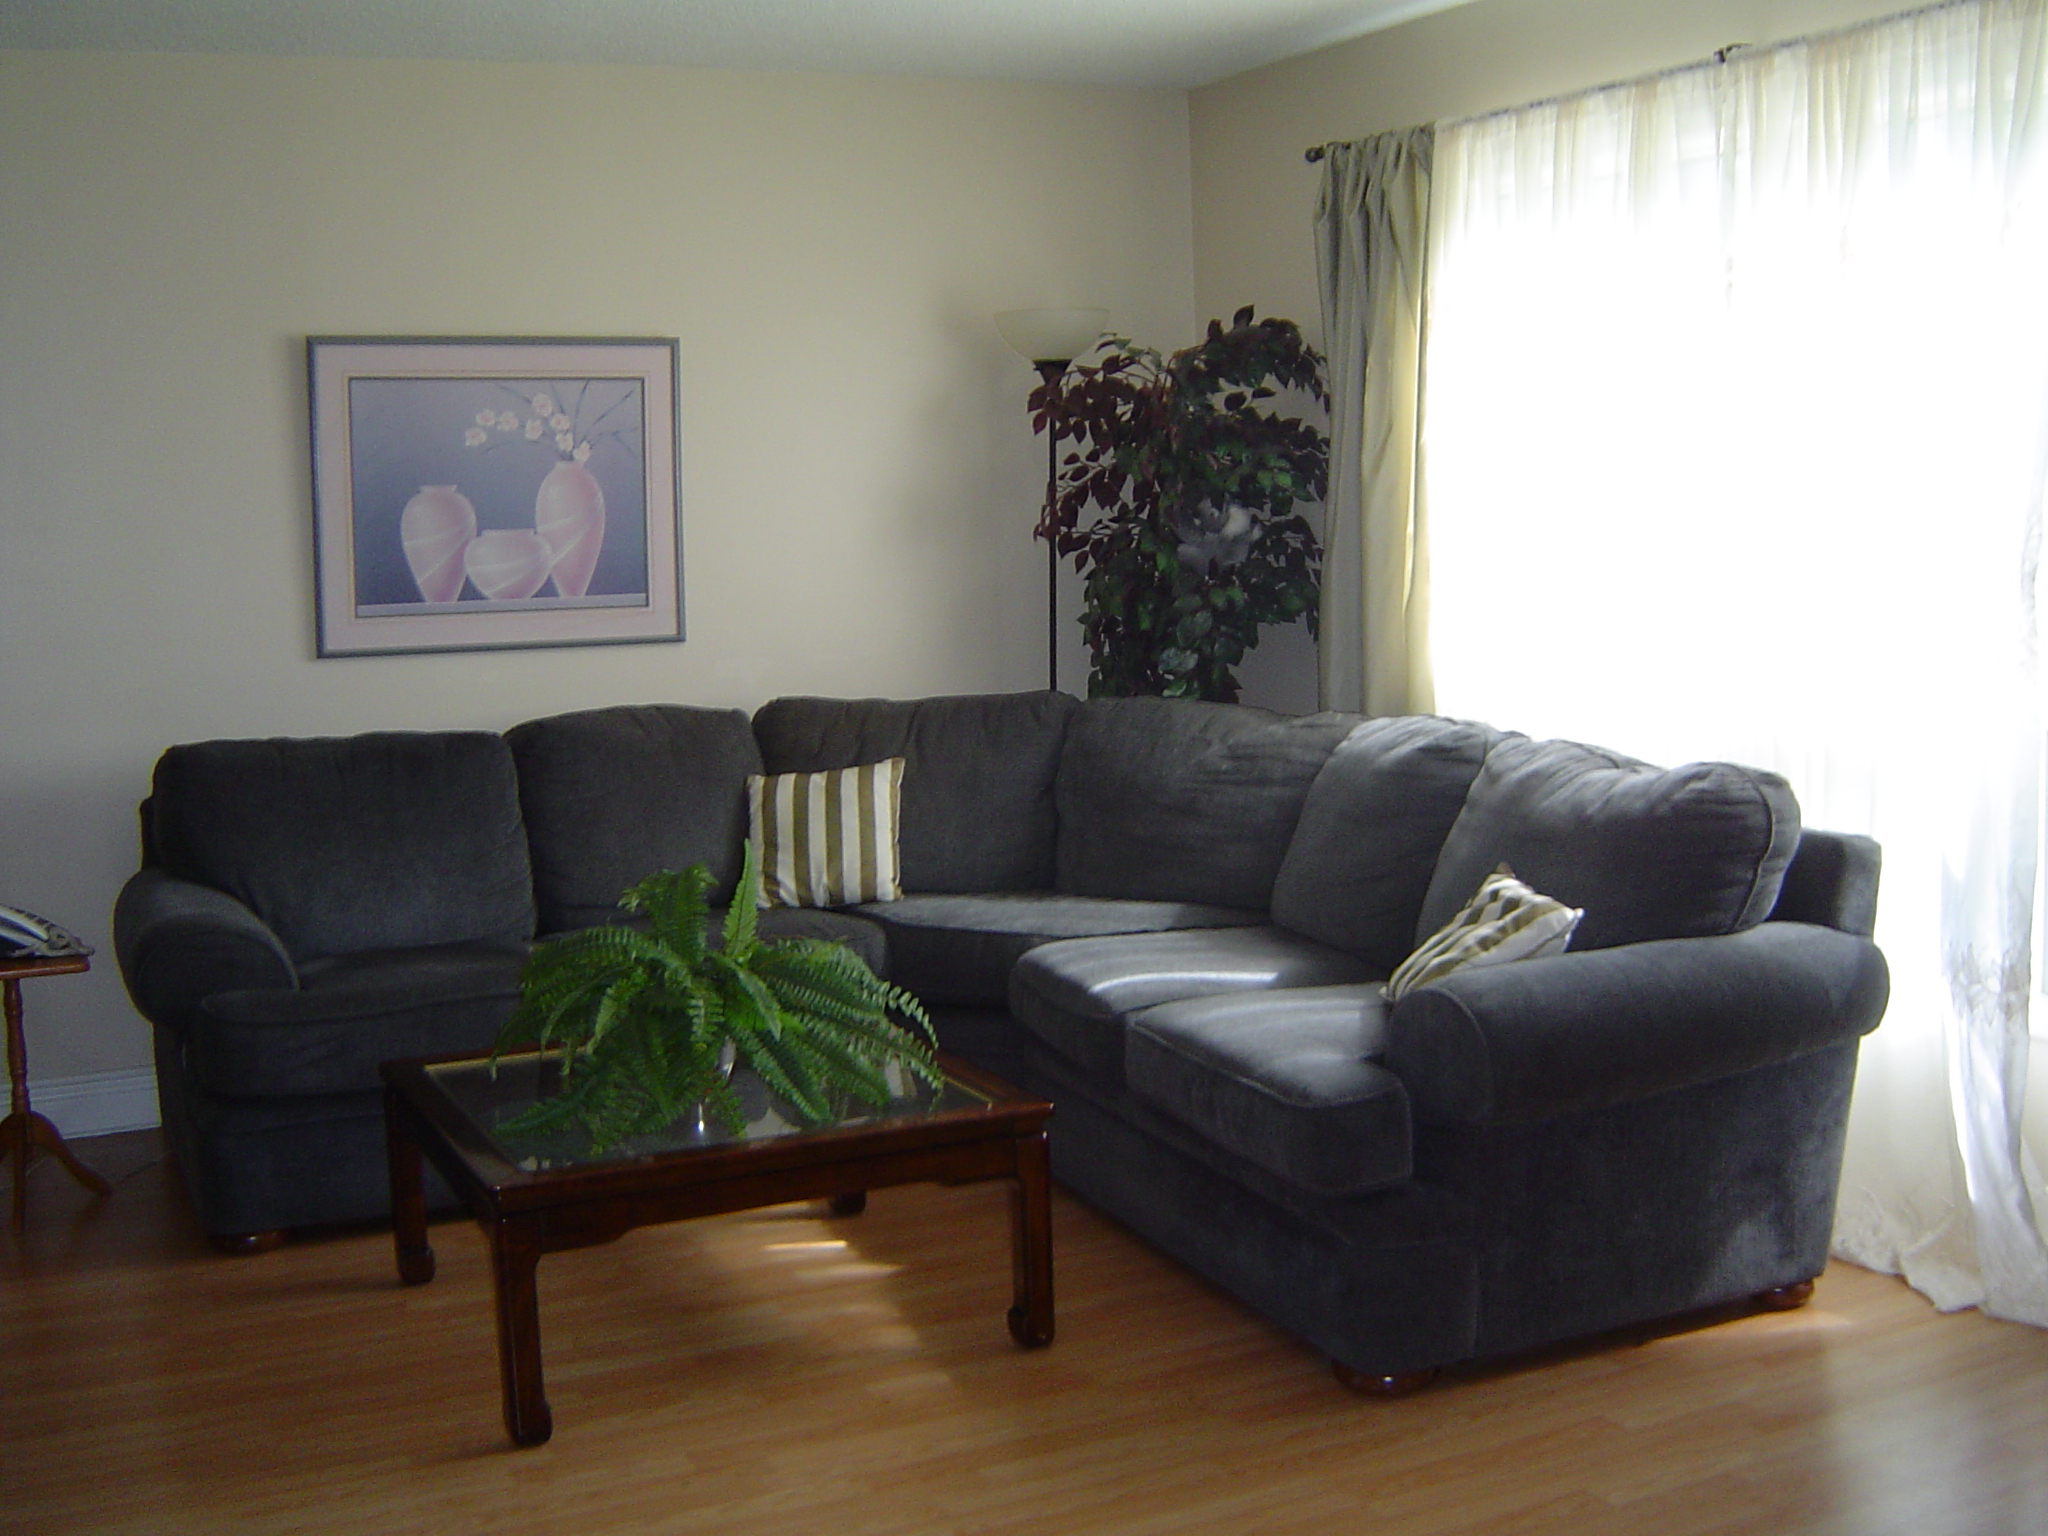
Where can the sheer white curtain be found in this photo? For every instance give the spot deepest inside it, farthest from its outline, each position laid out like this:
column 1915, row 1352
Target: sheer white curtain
column 1735, row 440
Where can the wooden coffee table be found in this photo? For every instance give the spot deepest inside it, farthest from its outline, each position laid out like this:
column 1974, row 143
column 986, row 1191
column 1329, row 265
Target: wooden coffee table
column 541, row 1194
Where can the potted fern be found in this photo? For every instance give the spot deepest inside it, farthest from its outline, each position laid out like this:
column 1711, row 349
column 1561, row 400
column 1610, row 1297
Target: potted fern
column 651, row 1023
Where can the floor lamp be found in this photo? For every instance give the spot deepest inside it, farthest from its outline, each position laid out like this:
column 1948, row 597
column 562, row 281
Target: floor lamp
column 1050, row 339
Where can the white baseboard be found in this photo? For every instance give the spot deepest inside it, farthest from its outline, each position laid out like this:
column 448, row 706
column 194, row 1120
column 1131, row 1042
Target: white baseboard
column 97, row 1103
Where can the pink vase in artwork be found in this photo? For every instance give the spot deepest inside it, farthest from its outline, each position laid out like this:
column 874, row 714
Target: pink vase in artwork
column 436, row 528
column 569, row 514
column 508, row 564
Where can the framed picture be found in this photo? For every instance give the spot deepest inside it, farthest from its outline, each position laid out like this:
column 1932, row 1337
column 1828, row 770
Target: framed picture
column 473, row 494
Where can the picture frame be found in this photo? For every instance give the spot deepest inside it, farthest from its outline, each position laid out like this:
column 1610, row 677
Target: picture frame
column 480, row 493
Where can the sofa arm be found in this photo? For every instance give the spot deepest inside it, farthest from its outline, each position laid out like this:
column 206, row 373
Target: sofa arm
column 1540, row 1038
column 178, row 943
column 1832, row 880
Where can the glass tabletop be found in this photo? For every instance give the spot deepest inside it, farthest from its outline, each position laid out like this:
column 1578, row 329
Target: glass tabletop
column 489, row 1094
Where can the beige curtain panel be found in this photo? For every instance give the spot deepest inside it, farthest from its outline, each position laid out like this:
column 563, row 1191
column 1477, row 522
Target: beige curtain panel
column 1372, row 226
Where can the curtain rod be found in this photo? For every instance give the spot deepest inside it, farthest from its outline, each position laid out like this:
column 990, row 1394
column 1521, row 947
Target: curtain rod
column 1315, row 152
column 1719, row 56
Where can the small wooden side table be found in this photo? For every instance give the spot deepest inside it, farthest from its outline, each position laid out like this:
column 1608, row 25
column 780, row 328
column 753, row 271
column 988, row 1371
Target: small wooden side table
column 24, row 1130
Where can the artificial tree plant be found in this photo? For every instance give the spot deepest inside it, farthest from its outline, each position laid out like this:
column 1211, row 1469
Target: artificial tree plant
column 1178, row 502
column 651, row 1023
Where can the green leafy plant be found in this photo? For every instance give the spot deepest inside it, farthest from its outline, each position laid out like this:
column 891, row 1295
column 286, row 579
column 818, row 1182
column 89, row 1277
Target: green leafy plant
column 1178, row 502
column 644, row 1019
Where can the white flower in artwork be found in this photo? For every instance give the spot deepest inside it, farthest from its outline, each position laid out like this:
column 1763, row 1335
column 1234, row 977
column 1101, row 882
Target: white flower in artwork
column 601, row 413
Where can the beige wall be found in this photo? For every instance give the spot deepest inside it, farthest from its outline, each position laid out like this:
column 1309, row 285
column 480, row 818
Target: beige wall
column 859, row 478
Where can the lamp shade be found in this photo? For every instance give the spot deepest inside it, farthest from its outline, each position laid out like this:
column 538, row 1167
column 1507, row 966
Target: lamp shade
column 1051, row 335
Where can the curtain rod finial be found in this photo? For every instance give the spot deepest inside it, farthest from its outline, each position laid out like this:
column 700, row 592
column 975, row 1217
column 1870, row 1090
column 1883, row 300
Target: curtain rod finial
column 1315, row 154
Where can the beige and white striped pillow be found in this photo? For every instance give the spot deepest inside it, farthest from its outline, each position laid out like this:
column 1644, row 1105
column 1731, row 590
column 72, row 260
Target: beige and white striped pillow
column 828, row 839
column 1505, row 921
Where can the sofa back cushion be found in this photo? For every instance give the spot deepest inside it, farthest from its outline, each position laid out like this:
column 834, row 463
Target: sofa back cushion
column 977, row 807
column 612, row 795
column 1650, row 853
column 1177, row 800
column 1376, row 818
column 383, row 841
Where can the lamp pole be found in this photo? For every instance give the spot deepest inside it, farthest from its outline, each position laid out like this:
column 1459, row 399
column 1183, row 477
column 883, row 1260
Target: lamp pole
column 1052, row 369
column 1050, row 339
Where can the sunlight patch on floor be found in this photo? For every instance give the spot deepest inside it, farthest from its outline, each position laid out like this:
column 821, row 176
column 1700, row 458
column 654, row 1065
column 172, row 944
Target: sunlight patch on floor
column 1804, row 1320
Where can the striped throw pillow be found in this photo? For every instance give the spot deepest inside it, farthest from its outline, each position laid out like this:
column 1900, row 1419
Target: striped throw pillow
column 828, row 839
column 1505, row 921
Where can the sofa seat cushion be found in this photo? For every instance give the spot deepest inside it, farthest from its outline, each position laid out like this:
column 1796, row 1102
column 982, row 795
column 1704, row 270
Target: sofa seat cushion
column 1076, row 994
column 960, row 949
column 1289, row 1080
column 349, row 1014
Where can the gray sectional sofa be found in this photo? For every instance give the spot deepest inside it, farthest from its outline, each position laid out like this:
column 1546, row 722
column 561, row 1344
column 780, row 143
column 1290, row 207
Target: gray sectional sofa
column 1171, row 918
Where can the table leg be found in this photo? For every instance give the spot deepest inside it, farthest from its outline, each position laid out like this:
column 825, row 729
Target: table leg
column 41, row 1133
column 514, row 1254
column 408, row 1193
column 14, row 1144
column 1030, row 1319
column 23, row 1132
column 14, row 1131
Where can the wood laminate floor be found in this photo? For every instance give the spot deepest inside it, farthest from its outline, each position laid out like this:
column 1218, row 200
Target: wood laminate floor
column 784, row 1371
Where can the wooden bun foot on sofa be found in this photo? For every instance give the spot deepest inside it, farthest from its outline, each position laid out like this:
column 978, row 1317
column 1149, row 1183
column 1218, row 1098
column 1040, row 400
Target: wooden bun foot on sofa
column 1787, row 1298
column 1365, row 1384
column 242, row 1244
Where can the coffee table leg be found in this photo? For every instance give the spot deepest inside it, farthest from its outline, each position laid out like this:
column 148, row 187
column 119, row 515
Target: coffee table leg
column 514, row 1254
column 408, row 1194
column 1031, row 1244
column 14, row 1144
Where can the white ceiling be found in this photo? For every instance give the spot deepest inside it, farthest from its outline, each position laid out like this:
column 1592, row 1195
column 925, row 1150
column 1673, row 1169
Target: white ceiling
column 1162, row 43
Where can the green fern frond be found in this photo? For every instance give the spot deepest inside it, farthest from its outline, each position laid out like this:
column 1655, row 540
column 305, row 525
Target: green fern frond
column 798, row 998
column 745, row 984
column 675, row 904
column 849, row 1069
column 795, row 1077
column 742, row 918
column 754, row 1044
